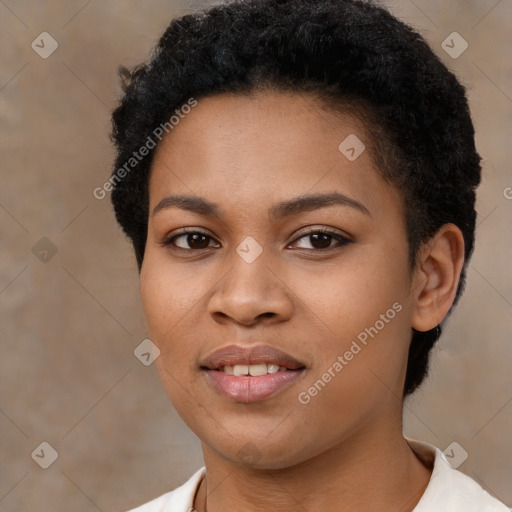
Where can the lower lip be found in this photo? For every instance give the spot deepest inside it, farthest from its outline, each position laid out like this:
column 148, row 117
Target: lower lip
column 249, row 389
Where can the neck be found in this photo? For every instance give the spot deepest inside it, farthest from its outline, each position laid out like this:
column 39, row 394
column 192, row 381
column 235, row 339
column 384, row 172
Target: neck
column 366, row 472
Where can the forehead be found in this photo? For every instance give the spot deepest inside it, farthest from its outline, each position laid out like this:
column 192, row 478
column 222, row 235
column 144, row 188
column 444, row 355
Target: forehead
column 251, row 148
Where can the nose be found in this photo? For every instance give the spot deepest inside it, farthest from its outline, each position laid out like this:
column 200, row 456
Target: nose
column 249, row 293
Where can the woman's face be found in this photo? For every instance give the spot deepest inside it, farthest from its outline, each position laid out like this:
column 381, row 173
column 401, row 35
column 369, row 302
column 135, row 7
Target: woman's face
column 259, row 277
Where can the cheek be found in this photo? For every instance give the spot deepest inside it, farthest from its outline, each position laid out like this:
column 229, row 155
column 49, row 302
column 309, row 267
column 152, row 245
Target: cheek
column 348, row 295
column 360, row 312
column 356, row 380
column 168, row 292
column 173, row 302
column 167, row 298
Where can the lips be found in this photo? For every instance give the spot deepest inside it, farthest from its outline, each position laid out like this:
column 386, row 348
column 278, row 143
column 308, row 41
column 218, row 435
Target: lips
column 259, row 354
column 236, row 372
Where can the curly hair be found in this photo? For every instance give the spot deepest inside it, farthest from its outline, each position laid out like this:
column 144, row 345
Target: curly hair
column 348, row 54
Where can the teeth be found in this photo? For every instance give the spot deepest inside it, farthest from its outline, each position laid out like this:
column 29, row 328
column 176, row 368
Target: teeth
column 240, row 369
column 255, row 370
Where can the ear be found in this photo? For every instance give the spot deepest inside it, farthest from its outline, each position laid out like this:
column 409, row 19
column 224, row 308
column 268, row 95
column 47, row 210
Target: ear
column 436, row 277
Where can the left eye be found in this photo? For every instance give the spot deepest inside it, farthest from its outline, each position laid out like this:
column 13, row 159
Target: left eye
column 321, row 239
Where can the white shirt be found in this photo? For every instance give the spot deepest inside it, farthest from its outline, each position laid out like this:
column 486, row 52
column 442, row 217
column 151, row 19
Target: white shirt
column 448, row 490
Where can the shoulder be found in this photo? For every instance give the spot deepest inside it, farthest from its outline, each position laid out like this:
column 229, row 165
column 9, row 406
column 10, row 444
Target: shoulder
column 178, row 500
column 450, row 490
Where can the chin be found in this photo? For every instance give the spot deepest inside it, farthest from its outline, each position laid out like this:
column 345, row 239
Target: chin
column 260, row 453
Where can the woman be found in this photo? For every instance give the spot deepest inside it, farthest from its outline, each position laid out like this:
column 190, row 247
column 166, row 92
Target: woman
column 298, row 182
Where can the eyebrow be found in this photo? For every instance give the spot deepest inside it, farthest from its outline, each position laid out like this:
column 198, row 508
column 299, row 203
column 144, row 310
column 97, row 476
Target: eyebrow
column 276, row 212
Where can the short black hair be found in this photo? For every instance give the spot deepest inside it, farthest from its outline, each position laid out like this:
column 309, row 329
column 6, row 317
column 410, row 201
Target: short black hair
column 348, row 54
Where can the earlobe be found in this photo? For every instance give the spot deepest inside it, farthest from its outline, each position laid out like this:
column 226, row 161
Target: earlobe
column 437, row 277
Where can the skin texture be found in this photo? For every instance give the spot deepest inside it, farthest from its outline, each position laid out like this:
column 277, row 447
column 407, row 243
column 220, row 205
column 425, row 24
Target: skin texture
column 344, row 450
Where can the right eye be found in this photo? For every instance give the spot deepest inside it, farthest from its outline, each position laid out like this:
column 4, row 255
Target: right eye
column 196, row 240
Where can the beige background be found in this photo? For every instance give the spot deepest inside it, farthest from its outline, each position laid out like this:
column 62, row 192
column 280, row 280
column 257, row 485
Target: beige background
column 69, row 326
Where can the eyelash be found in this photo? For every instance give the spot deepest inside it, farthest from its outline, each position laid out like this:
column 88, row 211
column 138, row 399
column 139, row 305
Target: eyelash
column 342, row 240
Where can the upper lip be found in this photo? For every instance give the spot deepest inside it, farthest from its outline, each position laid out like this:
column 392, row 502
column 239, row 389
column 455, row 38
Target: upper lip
column 257, row 354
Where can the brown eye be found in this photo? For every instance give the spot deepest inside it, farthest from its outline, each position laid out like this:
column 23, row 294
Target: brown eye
column 197, row 240
column 190, row 240
column 322, row 239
